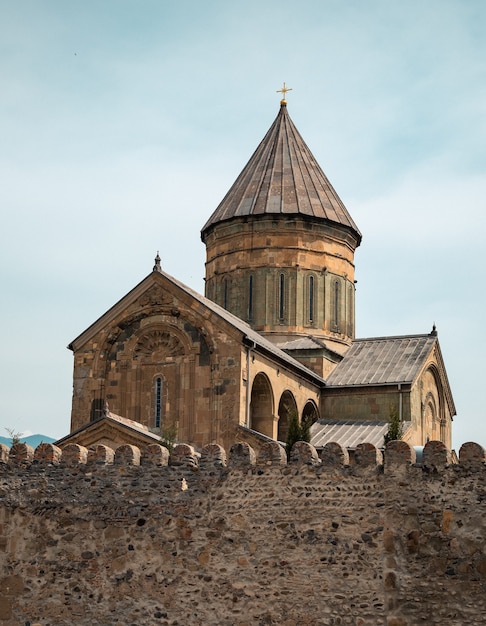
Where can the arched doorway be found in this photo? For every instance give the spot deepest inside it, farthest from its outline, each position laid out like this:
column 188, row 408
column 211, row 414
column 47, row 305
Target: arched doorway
column 286, row 407
column 261, row 406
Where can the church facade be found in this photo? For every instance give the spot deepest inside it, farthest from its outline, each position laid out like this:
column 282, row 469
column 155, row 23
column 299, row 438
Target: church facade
column 273, row 336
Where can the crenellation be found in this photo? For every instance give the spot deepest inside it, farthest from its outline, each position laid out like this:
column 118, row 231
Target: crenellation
column 101, row 455
column 436, row 457
column 367, row 455
column 253, row 540
column 127, row 455
column 472, row 454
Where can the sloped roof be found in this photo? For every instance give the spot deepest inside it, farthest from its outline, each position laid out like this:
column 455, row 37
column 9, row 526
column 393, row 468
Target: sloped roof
column 91, row 432
column 251, row 336
column 283, row 177
column 349, row 433
column 382, row 361
column 309, row 343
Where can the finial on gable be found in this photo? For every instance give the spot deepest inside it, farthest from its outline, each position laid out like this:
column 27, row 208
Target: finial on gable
column 157, row 267
column 434, row 330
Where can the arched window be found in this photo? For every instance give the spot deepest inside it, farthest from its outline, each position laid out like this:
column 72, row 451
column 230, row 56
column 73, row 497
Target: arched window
column 250, row 297
column 225, row 293
column 158, row 402
column 335, row 309
column 281, row 298
column 311, row 299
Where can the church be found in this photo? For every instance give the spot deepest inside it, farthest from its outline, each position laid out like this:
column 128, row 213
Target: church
column 273, row 336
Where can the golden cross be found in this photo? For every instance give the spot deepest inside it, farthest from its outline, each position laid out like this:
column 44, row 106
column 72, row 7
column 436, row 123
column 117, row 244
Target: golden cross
column 284, row 92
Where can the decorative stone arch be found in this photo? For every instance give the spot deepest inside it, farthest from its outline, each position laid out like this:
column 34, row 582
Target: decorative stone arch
column 262, row 406
column 310, row 412
column 286, row 407
column 162, row 347
column 158, row 344
column 429, row 418
column 433, row 416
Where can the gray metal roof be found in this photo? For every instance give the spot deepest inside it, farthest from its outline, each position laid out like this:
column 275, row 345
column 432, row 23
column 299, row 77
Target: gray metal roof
column 382, row 361
column 349, row 433
column 282, row 177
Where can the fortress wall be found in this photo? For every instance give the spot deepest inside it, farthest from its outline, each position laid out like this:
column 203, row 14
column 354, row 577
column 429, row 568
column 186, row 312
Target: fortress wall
column 138, row 537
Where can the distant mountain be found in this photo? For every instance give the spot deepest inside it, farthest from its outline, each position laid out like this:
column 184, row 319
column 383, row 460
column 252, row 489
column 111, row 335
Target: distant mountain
column 31, row 440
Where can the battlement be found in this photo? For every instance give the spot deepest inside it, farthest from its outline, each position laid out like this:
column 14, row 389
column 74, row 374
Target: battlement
column 396, row 454
column 141, row 536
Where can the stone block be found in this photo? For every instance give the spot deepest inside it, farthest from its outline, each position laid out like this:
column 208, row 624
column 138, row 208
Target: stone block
column 472, row 454
column 398, row 454
column 436, row 455
column 242, row 455
column 155, row 454
column 101, row 455
column 367, row 455
column 48, row 453
column 184, row 455
column 21, row 454
column 334, row 455
column 272, row 453
column 213, row 455
column 4, row 453
column 74, row 454
column 303, row 453
column 127, row 455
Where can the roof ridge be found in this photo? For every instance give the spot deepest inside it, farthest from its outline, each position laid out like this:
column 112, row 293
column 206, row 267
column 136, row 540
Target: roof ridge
column 390, row 337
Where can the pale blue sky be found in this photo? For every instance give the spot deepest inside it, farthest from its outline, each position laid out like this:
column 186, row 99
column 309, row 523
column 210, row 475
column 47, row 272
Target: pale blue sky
column 124, row 123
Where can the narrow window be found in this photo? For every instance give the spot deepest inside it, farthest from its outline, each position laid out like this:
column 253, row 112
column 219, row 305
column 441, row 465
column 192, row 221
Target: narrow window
column 336, row 304
column 311, row 298
column 225, row 293
column 281, row 299
column 250, row 298
column 158, row 402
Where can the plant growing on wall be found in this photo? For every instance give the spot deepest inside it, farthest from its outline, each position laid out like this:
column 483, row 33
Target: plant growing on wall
column 395, row 426
column 14, row 435
column 297, row 431
column 169, row 435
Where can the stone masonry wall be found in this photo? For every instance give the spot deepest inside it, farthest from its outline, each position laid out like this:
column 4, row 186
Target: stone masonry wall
column 134, row 537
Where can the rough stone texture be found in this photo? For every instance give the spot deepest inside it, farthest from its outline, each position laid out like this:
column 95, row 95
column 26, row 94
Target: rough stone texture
column 272, row 453
column 155, row 454
column 334, row 454
column 213, row 456
column 74, row 454
column 249, row 544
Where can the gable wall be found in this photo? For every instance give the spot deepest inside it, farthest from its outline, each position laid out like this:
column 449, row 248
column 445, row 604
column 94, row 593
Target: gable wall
column 161, row 335
column 431, row 416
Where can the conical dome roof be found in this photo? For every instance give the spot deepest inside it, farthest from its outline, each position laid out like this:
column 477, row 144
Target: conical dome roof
column 282, row 178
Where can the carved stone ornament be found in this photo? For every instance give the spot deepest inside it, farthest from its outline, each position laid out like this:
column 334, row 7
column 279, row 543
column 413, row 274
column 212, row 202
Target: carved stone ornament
column 156, row 296
column 158, row 343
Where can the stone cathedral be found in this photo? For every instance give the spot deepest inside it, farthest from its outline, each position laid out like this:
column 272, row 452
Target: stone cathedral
column 273, row 336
